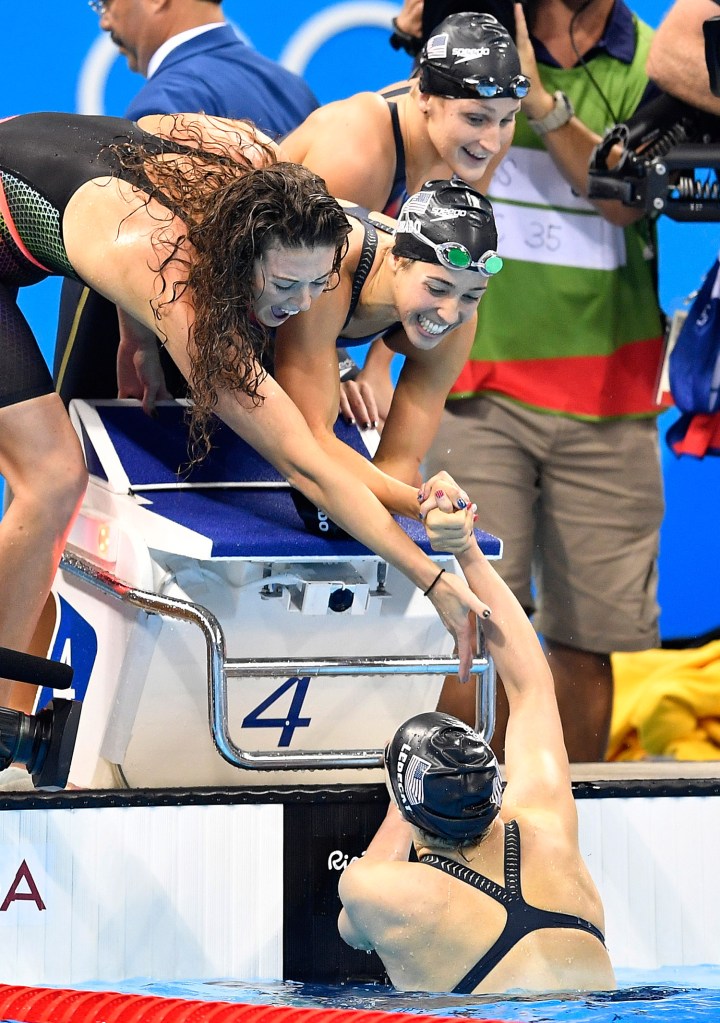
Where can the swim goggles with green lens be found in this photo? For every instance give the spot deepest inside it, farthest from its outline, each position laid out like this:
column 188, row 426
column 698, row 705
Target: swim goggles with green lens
column 456, row 256
column 486, row 86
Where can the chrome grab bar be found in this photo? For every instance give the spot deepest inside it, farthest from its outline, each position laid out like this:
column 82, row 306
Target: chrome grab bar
column 220, row 668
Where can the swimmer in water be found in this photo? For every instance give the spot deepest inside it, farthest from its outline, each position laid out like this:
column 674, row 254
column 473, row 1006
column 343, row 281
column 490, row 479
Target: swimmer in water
column 500, row 898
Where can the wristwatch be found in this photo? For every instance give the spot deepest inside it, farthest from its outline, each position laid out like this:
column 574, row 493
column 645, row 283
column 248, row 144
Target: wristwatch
column 560, row 114
column 400, row 40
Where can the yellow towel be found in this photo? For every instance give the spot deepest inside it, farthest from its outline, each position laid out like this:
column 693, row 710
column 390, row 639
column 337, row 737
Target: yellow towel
column 667, row 704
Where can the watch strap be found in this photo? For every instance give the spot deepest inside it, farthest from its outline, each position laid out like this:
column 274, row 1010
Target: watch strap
column 560, row 114
column 400, row 40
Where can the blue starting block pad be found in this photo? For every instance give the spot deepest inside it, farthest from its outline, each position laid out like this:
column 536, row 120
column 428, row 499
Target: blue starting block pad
column 233, row 498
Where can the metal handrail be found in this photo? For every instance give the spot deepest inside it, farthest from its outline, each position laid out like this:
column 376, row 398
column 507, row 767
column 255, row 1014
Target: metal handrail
column 220, row 668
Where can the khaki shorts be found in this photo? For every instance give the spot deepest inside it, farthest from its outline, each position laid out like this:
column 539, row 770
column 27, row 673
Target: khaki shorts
column 578, row 507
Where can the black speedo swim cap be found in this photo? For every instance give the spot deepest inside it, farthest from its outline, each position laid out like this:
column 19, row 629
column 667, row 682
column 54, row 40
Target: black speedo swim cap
column 449, row 223
column 444, row 776
column 472, row 56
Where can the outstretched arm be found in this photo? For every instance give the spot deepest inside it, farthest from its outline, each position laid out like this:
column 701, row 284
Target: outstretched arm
column 307, row 370
column 278, row 431
column 538, row 773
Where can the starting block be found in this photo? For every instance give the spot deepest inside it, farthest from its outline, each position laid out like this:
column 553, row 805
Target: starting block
column 167, row 571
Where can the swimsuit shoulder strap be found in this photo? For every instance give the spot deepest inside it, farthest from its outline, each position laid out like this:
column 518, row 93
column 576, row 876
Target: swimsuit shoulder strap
column 366, row 260
column 398, row 189
column 471, row 877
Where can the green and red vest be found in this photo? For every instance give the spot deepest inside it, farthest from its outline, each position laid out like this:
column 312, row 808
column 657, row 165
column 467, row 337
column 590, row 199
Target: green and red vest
column 571, row 325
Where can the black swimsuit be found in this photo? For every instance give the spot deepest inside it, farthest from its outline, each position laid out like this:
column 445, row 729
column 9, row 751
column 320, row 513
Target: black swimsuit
column 398, row 195
column 367, row 258
column 522, row 918
column 44, row 159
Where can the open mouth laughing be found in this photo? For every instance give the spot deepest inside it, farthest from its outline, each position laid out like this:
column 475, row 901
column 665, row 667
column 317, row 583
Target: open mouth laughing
column 477, row 157
column 282, row 314
column 434, row 330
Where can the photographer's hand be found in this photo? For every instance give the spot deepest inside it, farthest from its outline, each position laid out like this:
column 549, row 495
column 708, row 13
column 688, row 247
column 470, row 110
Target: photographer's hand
column 538, row 101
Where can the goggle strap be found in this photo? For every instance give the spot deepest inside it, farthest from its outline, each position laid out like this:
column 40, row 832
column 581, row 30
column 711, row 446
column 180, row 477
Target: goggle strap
column 470, row 85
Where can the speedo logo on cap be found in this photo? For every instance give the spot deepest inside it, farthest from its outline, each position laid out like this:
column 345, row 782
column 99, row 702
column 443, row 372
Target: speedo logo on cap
column 446, row 213
column 466, row 53
column 410, row 772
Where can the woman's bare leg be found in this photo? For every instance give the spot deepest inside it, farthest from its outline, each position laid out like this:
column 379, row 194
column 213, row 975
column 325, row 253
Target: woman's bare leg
column 41, row 460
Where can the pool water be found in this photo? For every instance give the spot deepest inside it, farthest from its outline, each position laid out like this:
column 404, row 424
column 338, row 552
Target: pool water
column 675, row 995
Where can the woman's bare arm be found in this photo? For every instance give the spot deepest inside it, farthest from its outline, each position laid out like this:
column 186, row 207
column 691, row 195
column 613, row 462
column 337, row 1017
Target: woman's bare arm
column 277, row 430
column 349, row 144
column 306, row 367
column 390, row 844
column 419, row 399
column 139, row 371
column 538, row 773
column 240, row 139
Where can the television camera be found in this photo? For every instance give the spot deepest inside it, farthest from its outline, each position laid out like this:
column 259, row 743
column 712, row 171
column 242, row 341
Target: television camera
column 669, row 154
column 43, row 742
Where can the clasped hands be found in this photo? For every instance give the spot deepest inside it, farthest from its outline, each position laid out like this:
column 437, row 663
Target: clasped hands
column 447, row 513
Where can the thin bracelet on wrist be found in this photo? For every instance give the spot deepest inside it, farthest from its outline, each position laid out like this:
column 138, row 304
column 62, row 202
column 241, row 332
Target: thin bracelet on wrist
column 429, row 589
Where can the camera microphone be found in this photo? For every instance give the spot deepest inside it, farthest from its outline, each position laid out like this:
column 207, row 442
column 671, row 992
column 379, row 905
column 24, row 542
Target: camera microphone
column 35, row 671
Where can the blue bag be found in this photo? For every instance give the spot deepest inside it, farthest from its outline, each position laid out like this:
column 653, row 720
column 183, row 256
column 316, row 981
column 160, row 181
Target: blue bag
column 694, row 368
column 695, row 359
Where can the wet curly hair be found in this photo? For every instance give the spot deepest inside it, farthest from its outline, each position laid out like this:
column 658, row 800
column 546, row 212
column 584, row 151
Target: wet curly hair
column 233, row 213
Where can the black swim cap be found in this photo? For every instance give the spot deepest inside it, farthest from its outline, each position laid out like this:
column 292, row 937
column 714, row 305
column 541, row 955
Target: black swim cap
column 444, row 777
column 471, row 56
column 449, row 223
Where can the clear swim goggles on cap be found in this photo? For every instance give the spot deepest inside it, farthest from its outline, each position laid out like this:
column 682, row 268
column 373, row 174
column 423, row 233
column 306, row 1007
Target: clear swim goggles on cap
column 518, row 87
column 486, row 86
column 456, row 256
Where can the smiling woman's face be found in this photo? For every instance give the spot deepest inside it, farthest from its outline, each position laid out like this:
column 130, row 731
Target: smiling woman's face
column 286, row 280
column 467, row 133
column 432, row 300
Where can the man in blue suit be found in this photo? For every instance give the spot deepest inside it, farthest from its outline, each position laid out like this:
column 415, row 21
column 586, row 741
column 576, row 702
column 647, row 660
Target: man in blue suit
column 193, row 60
